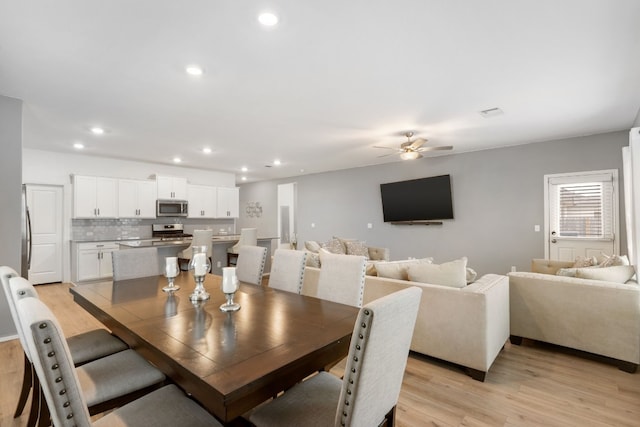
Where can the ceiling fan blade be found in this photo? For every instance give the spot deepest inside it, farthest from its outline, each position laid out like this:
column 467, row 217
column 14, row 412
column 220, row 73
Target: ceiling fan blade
column 419, row 142
column 436, row 148
column 386, row 155
column 388, row 148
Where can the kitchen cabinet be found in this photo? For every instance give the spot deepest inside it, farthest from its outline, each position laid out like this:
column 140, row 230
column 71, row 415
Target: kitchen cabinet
column 228, row 202
column 136, row 198
column 172, row 187
column 95, row 197
column 202, row 201
column 93, row 260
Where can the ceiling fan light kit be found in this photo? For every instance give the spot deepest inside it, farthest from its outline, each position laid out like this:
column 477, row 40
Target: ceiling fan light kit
column 411, row 150
column 410, row 155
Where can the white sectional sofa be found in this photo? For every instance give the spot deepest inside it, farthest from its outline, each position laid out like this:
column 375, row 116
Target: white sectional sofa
column 467, row 326
column 595, row 316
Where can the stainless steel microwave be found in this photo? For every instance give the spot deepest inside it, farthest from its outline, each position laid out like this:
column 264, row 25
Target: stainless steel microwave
column 172, row 208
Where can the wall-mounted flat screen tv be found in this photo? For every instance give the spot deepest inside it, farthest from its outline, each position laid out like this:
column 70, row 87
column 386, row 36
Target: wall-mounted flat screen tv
column 421, row 199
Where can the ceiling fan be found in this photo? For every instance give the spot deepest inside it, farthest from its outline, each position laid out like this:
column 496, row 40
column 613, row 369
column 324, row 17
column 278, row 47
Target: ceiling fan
column 411, row 150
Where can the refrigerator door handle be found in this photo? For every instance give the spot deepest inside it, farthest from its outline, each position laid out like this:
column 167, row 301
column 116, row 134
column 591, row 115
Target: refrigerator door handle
column 29, row 240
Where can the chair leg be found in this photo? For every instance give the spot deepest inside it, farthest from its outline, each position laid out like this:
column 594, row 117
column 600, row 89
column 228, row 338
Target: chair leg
column 44, row 416
column 27, row 383
column 390, row 418
column 36, row 394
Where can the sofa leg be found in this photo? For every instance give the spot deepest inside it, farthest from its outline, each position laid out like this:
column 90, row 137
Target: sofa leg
column 627, row 366
column 476, row 374
column 515, row 340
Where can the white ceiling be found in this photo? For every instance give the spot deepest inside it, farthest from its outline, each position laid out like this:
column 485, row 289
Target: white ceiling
column 319, row 90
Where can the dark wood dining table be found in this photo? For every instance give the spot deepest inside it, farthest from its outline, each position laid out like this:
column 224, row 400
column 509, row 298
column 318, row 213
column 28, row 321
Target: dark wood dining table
column 228, row 362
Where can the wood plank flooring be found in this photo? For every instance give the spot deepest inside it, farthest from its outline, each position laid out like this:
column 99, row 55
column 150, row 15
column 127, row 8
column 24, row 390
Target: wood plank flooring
column 528, row 385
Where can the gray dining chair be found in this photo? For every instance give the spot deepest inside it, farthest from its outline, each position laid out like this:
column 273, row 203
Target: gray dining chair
column 248, row 237
column 85, row 347
column 66, row 395
column 341, row 279
column 135, row 263
column 368, row 393
column 105, row 383
column 250, row 266
column 287, row 270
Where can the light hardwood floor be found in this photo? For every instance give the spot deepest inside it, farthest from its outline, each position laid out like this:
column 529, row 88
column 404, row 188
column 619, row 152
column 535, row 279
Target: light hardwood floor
column 529, row 385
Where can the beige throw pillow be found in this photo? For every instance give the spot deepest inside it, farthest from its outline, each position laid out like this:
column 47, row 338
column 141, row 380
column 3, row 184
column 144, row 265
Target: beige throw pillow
column 334, row 246
column 357, row 248
column 616, row 274
column 398, row 269
column 613, row 260
column 453, row 273
column 312, row 246
column 582, row 261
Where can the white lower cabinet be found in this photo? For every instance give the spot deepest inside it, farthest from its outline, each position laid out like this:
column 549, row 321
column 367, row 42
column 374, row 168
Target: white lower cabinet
column 93, row 260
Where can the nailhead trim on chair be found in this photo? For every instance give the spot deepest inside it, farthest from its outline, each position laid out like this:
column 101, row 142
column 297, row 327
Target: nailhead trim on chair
column 301, row 281
column 362, row 279
column 354, row 372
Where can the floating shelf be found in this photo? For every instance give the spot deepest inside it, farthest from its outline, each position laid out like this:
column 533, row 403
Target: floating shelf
column 416, row 222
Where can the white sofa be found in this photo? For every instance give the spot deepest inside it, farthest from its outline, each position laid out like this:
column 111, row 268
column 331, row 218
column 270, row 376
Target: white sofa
column 594, row 316
column 467, row 326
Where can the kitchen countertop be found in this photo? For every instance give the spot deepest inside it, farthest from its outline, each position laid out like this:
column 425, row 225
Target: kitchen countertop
column 156, row 242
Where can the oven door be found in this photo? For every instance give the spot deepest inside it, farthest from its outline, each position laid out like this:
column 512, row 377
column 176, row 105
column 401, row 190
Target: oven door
column 174, row 208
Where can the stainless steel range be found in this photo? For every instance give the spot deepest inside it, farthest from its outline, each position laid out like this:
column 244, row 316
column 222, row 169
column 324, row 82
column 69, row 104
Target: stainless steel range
column 169, row 231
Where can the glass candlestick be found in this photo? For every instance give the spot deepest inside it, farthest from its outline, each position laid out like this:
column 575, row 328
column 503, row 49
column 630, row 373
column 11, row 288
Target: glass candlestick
column 229, row 287
column 171, row 271
column 199, row 266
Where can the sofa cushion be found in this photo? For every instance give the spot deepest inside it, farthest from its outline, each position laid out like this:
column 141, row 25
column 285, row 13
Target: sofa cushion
column 312, row 246
column 452, row 273
column 616, row 273
column 357, row 247
column 398, row 269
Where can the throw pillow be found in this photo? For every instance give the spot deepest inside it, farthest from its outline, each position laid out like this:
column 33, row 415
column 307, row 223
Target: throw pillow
column 357, row 248
column 613, row 260
column 398, row 269
column 566, row 272
column 616, row 274
column 471, row 275
column 313, row 260
column 452, row 273
column 312, row 246
column 585, row 262
column 334, row 246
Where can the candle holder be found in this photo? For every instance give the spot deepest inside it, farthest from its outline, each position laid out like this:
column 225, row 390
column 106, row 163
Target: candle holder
column 171, row 271
column 229, row 287
column 199, row 266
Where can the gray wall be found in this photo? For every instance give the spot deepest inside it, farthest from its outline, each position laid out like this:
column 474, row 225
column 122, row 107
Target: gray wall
column 497, row 198
column 637, row 121
column 10, row 194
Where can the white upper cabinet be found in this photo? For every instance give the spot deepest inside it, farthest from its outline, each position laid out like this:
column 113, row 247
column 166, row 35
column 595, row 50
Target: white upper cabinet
column 202, row 201
column 228, row 202
column 136, row 198
column 95, row 197
column 171, row 187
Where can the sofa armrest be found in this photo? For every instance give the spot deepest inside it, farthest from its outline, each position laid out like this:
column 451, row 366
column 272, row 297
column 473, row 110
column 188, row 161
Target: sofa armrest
column 590, row 315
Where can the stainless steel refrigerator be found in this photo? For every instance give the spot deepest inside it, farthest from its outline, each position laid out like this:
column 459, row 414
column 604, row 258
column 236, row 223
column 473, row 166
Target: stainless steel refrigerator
column 26, row 236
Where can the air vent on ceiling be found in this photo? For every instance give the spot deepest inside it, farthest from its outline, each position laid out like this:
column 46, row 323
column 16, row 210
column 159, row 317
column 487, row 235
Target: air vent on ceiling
column 491, row 112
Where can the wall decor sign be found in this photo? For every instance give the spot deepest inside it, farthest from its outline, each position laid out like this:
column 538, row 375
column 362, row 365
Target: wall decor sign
column 253, row 209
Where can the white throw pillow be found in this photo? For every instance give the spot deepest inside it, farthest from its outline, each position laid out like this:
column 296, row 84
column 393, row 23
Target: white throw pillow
column 452, row 273
column 471, row 275
column 613, row 260
column 616, row 273
column 312, row 246
column 398, row 269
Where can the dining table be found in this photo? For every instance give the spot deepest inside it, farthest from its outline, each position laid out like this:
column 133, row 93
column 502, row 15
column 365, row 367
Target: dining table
column 229, row 362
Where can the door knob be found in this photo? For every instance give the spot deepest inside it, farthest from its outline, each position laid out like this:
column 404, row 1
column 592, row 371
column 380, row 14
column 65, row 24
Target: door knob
column 553, row 240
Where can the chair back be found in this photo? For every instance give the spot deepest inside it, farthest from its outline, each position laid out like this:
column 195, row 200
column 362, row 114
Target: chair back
column 377, row 359
column 341, row 279
column 200, row 238
column 53, row 364
column 134, row 263
column 16, row 288
column 248, row 237
column 250, row 265
column 287, row 270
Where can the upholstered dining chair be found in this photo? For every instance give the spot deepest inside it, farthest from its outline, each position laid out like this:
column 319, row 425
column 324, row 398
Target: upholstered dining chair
column 250, row 266
column 341, row 279
column 134, row 263
column 65, row 394
column 287, row 270
column 84, row 347
column 105, row 383
column 248, row 237
column 368, row 393
column 200, row 238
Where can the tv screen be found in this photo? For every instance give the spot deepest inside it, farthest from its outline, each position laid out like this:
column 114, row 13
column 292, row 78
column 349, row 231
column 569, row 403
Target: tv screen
column 421, row 199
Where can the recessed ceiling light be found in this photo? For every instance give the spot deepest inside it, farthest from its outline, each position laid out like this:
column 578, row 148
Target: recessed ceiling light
column 268, row 19
column 244, row 178
column 206, row 150
column 78, row 146
column 177, row 160
column 244, row 169
column 276, row 162
column 97, row 130
column 194, row 70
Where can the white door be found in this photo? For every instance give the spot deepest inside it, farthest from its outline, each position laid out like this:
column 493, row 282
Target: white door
column 581, row 215
column 45, row 209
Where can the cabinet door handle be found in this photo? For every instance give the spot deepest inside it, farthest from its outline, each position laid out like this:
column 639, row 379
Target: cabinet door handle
column 98, row 211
